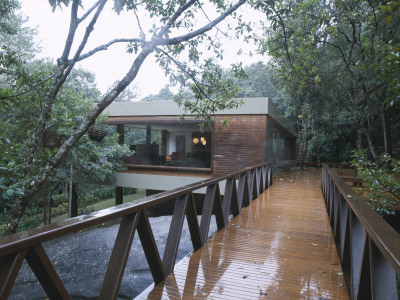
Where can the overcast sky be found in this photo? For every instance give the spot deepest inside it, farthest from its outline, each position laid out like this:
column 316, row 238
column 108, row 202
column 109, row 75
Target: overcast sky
column 112, row 64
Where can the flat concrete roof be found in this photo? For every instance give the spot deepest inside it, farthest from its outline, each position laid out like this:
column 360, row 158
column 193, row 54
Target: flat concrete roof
column 251, row 106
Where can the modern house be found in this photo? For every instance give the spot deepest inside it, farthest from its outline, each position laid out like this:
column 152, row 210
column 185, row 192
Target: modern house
column 170, row 153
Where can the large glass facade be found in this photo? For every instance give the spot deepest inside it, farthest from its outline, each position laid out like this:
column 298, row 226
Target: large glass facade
column 168, row 145
column 280, row 147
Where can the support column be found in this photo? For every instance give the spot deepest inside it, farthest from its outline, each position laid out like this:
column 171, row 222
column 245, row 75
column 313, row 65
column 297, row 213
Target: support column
column 119, row 191
column 74, row 201
column 148, row 134
column 121, row 133
column 164, row 139
column 119, row 195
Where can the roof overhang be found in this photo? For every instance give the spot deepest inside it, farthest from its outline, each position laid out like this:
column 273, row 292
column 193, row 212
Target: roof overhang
column 168, row 111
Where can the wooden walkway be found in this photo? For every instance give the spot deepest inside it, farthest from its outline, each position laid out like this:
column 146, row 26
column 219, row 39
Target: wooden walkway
column 279, row 247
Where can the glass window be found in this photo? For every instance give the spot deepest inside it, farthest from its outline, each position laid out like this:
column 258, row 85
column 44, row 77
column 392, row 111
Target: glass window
column 174, row 145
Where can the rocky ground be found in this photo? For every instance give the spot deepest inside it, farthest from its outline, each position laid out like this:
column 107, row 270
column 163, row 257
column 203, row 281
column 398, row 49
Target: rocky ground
column 81, row 260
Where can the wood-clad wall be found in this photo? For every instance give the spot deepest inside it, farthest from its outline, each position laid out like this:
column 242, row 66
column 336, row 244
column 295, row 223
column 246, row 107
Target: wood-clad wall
column 241, row 144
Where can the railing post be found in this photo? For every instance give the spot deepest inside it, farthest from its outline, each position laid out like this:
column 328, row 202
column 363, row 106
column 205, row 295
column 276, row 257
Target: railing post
column 383, row 276
column 45, row 273
column 193, row 223
column 119, row 257
column 174, row 235
column 269, row 175
column 345, row 241
column 9, row 269
column 264, row 173
column 150, row 248
column 336, row 215
column 259, row 181
column 212, row 201
column 252, row 185
column 230, row 202
column 243, row 191
column 330, row 199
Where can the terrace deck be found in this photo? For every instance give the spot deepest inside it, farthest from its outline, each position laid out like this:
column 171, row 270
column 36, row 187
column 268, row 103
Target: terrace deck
column 279, row 247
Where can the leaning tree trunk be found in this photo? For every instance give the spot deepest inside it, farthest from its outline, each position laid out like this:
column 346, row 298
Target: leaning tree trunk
column 65, row 65
column 304, row 148
column 387, row 137
column 359, row 138
column 371, row 148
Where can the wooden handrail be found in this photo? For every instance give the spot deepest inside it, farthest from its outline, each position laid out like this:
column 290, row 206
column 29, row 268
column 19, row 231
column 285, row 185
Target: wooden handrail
column 27, row 245
column 342, row 165
column 368, row 247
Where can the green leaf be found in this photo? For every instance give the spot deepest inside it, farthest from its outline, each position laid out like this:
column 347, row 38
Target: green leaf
column 119, row 5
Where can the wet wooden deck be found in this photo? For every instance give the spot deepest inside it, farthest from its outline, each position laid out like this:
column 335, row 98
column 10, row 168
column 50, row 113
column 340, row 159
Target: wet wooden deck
column 280, row 247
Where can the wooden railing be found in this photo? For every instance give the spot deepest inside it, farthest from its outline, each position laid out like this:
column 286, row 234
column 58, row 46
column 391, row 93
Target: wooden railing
column 28, row 244
column 368, row 247
column 315, row 164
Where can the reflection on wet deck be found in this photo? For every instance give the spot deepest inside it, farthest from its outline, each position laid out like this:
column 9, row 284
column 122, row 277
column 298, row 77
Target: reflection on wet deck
column 280, row 247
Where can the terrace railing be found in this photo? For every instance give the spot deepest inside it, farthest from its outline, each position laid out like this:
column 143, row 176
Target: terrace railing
column 368, row 247
column 240, row 189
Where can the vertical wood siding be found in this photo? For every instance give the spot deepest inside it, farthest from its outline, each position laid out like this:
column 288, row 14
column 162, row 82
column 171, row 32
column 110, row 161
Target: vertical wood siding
column 241, row 144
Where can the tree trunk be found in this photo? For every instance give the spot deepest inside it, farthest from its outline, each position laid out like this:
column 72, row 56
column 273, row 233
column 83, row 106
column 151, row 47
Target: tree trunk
column 359, row 138
column 371, row 148
column 387, row 137
column 45, row 203
column 318, row 150
column 50, row 206
column 70, row 192
column 304, row 149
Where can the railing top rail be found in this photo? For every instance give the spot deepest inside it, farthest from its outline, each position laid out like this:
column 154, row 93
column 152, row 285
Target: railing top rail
column 349, row 166
column 31, row 237
column 384, row 236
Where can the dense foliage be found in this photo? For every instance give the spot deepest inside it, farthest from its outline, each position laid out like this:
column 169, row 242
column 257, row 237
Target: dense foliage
column 339, row 63
column 383, row 184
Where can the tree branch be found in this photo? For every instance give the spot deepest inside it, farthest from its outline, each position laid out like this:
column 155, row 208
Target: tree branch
column 72, row 30
column 183, row 69
column 138, row 21
column 29, row 89
column 64, row 68
column 174, row 17
column 201, row 7
column 200, row 31
column 89, row 11
column 285, row 38
column 105, row 47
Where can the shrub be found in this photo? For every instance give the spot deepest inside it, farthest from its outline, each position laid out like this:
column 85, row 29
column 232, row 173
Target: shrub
column 29, row 222
column 59, row 210
column 383, row 186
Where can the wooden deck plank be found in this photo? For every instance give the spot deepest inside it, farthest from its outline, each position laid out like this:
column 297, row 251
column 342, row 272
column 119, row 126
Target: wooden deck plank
column 280, row 247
